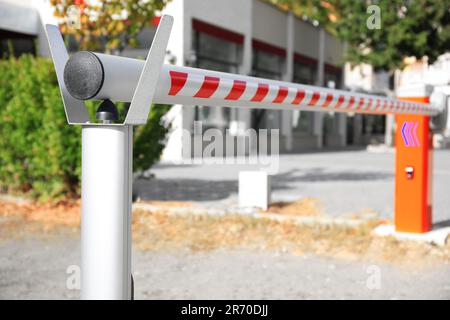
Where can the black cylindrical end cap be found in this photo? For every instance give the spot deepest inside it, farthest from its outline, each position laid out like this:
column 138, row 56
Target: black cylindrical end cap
column 83, row 75
column 107, row 111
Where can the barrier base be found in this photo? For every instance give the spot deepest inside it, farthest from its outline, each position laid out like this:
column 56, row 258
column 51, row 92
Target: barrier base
column 413, row 174
column 438, row 236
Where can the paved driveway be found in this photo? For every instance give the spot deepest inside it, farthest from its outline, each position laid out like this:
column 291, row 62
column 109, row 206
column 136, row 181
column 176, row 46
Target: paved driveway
column 345, row 182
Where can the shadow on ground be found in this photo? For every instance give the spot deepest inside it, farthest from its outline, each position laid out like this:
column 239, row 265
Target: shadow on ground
column 441, row 224
column 210, row 190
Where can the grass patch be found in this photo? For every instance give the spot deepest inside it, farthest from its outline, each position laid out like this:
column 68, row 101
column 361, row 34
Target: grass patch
column 163, row 231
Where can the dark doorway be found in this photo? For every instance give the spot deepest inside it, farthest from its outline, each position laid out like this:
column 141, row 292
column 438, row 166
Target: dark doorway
column 16, row 44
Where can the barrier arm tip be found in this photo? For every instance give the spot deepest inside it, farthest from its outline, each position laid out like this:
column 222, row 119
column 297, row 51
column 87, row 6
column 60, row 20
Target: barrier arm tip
column 76, row 111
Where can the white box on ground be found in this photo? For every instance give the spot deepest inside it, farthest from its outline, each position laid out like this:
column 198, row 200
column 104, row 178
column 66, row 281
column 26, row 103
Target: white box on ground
column 254, row 189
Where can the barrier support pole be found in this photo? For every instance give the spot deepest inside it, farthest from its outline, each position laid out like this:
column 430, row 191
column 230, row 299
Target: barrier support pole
column 413, row 171
column 106, row 212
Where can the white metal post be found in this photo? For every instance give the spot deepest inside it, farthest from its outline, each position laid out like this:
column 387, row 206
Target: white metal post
column 106, row 212
column 107, row 161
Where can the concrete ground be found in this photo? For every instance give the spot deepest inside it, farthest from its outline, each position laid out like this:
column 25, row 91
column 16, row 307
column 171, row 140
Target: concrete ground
column 36, row 269
column 345, row 182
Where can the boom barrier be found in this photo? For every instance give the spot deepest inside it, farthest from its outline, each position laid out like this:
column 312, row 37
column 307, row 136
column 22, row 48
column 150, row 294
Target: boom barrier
column 192, row 86
column 107, row 144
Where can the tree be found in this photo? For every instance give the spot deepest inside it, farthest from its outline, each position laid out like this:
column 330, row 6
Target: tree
column 105, row 25
column 406, row 28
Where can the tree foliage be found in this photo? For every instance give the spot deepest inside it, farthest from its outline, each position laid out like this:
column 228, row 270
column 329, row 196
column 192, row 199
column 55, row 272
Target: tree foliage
column 39, row 152
column 106, row 25
column 407, row 28
column 149, row 140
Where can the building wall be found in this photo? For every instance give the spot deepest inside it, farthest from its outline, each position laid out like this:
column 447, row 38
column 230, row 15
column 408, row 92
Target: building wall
column 28, row 17
column 229, row 15
column 178, row 115
column 257, row 20
column 269, row 24
column 18, row 16
column 254, row 20
column 333, row 50
column 306, row 39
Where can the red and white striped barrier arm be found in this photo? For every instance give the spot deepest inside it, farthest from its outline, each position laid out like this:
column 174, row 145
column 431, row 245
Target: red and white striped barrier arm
column 88, row 75
column 191, row 86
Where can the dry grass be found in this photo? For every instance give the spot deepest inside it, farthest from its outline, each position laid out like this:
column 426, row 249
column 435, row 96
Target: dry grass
column 21, row 219
column 167, row 204
column 162, row 231
column 303, row 207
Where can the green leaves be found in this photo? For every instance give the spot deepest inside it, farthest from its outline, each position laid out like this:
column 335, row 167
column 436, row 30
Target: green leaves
column 107, row 25
column 38, row 151
column 40, row 154
column 149, row 140
column 408, row 28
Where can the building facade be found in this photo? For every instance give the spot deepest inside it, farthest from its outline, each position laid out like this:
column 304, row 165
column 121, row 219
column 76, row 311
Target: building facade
column 256, row 38
column 250, row 37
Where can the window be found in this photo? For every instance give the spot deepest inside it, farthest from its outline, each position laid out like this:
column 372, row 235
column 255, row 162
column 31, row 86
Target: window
column 305, row 72
column 330, row 125
column 267, row 65
column 268, row 62
column 216, row 49
column 216, row 54
column 305, row 69
column 333, row 76
column 16, row 43
column 373, row 124
column 304, row 123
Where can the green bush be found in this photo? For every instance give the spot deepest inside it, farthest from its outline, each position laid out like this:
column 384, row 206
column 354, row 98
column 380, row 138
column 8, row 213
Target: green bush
column 149, row 140
column 40, row 154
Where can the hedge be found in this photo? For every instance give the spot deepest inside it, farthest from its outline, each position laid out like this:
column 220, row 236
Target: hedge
column 40, row 154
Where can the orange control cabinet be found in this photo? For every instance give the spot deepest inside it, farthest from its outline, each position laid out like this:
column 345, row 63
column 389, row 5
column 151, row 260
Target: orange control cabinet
column 413, row 171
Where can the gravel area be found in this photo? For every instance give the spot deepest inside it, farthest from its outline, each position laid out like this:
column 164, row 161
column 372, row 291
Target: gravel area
column 36, row 269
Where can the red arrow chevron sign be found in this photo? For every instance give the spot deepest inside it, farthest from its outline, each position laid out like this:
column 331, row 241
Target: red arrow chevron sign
column 409, row 134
